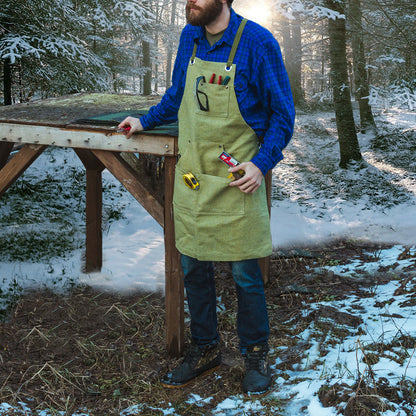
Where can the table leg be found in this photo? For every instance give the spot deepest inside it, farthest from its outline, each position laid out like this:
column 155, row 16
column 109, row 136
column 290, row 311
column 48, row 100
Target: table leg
column 174, row 292
column 94, row 207
column 5, row 150
column 265, row 262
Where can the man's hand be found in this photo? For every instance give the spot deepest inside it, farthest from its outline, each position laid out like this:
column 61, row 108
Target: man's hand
column 251, row 180
column 132, row 125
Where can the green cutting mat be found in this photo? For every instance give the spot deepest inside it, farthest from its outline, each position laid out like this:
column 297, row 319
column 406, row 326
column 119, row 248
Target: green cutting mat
column 113, row 119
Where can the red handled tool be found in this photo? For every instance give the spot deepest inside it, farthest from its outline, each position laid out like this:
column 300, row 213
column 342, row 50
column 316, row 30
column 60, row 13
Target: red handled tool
column 230, row 161
column 125, row 129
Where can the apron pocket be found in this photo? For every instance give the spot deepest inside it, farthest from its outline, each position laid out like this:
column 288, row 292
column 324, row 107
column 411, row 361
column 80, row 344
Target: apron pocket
column 217, row 197
column 218, row 100
column 184, row 197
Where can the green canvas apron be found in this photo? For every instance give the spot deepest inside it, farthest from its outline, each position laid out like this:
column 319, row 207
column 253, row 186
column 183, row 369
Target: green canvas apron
column 217, row 222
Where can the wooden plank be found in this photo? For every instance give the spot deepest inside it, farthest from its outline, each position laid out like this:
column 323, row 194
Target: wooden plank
column 85, row 138
column 265, row 261
column 5, row 150
column 127, row 177
column 18, row 164
column 174, row 295
column 94, row 207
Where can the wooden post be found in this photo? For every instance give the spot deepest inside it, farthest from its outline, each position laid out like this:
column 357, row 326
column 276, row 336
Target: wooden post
column 5, row 149
column 174, row 292
column 265, row 262
column 94, row 206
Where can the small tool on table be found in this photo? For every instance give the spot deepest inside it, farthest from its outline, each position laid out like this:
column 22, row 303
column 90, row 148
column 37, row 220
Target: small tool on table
column 124, row 129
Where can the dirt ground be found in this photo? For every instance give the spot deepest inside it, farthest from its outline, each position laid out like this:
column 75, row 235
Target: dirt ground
column 104, row 352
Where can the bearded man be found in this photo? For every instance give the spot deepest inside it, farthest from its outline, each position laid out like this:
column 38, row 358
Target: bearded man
column 231, row 96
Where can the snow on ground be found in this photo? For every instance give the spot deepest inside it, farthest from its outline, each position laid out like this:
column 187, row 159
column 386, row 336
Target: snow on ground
column 313, row 201
column 319, row 201
column 344, row 361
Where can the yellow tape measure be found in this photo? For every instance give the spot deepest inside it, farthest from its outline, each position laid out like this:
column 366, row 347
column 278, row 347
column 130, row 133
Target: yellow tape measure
column 191, row 181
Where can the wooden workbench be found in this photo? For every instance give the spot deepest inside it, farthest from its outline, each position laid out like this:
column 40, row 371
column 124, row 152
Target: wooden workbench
column 53, row 122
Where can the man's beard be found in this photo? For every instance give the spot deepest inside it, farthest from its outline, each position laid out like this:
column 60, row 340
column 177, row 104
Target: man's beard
column 203, row 16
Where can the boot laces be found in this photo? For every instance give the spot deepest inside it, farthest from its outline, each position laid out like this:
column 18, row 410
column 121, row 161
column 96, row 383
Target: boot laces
column 255, row 360
column 193, row 355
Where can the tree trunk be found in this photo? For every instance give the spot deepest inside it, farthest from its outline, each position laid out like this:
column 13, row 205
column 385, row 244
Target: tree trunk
column 168, row 75
column 362, row 89
column 156, row 44
column 7, row 68
column 6, row 148
column 347, row 136
column 147, row 64
column 170, row 46
column 323, row 61
column 292, row 52
column 7, row 82
column 297, row 62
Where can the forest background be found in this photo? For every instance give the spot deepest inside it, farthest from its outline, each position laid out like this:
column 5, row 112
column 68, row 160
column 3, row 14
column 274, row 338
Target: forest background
column 341, row 55
column 334, row 51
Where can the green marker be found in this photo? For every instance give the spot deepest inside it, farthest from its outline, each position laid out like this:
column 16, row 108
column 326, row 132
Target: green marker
column 226, row 80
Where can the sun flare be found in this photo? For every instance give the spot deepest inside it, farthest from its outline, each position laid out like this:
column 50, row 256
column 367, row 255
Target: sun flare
column 258, row 10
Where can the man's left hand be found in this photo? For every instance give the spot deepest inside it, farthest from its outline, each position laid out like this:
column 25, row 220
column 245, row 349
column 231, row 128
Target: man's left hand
column 251, row 180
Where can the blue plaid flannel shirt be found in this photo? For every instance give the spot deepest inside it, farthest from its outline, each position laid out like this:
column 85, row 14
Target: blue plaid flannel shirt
column 261, row 85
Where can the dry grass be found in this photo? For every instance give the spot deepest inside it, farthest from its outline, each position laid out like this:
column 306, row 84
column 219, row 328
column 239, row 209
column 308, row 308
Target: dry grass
column 105, row 352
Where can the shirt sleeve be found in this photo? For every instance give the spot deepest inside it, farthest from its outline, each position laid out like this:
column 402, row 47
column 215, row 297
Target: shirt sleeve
column 167, row 110
column 276, row 96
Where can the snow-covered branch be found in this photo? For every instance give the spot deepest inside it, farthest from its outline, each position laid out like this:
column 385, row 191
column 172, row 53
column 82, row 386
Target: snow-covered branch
column 292, row 9
column 134, row 11
column 13, row 47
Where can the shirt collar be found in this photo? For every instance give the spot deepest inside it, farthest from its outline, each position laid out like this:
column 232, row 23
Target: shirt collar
column 229, row 33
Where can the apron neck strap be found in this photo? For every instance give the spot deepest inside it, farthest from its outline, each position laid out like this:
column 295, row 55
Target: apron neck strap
column 233, row 48
column 235, row 43
column 194, row 53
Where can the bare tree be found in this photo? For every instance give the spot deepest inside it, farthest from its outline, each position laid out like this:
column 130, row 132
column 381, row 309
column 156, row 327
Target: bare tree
column 7, row 70
column 292, row 52
column 347, row 136
column 147, row 66
column 7, row 82
column 362, row 90
column 169, row 57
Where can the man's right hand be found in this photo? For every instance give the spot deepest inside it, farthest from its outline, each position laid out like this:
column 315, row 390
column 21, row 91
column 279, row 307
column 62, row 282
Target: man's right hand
column 134, row 124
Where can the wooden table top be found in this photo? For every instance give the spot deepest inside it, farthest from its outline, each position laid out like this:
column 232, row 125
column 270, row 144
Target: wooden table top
column 66, row 109
column 54, row 122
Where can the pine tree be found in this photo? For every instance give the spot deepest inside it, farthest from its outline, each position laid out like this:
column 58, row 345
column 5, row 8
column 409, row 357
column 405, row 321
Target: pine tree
column 57, row 47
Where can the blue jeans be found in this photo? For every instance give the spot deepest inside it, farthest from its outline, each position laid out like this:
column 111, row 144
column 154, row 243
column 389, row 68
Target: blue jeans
column 252, row 318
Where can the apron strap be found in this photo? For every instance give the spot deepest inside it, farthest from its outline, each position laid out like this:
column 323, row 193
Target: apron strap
column 194, row 53
column 235, row 44
column 233, row 48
